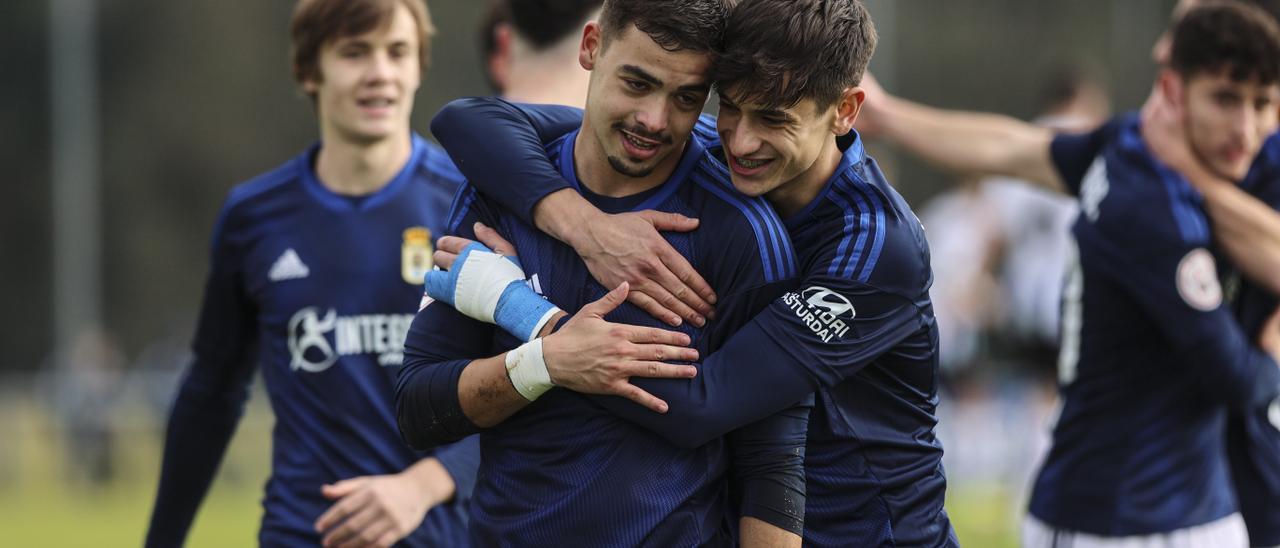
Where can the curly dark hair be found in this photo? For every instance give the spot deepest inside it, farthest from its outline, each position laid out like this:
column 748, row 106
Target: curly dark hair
column 1239, row 38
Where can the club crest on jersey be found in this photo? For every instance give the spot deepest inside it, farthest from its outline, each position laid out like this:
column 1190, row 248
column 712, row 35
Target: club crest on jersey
column 1197, row 280
column 317, row 341
column 826, row 313
column 415, row 255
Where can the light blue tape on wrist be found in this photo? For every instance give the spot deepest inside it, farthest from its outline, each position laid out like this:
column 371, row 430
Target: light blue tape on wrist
column 520, row 309
column 442, row 285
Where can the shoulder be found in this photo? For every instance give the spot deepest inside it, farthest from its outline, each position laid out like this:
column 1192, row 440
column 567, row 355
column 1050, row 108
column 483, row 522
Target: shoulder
column 257, row 197
column 1073, row 153
column 1127, row 195
column 436, row 167
column 875, row 237
column 740, row 221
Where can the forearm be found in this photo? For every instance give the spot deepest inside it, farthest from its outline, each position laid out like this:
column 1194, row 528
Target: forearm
column 750, row 377
column 1248, row 230
column 200, row 428
column 972, row 142
column 1244, row 377
column 486, row 394
column 470, row 129
column 566, row 216
column 753, row 533
column 446, row 402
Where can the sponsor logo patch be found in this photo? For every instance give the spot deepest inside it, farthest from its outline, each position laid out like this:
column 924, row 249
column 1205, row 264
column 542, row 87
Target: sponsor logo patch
column 316, row 341
column 826, row 313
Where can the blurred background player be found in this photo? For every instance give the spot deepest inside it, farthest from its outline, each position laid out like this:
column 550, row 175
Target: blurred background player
column 530, row 49
column 1219, row 50
column 315, row 273
column 999, row 247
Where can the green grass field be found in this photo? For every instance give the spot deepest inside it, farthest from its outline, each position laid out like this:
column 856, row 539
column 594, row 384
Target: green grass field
column 40, row 506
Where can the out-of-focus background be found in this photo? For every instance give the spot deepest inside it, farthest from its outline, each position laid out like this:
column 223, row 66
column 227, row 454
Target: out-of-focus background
column 123, row 124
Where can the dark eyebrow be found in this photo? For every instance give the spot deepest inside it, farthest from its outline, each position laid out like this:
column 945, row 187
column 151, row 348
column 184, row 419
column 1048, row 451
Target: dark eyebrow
column 775, row 113
column 697, row 88
column 641, row 74
column 655, row 82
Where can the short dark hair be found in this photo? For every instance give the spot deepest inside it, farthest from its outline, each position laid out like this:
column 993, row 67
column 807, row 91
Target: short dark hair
column 319, row 22
column 1235, row 37
column 693, row 25
column 779, row 52
column 544, row 23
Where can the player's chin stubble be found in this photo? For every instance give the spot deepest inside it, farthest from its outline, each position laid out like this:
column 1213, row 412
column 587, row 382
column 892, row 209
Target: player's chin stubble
column 622, row 166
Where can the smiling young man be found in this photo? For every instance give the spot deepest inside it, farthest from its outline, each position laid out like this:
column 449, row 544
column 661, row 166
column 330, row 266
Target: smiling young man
column 858, row 329
column 561, row 468
column 315, row 271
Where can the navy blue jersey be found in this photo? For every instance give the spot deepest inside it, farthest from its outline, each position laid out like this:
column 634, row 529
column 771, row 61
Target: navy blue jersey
column 1151, row 360
column 1253, row 436
column 858, row 329
column 570, row 469
column 320, row 289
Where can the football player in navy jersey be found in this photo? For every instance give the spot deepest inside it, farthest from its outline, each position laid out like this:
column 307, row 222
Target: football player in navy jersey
column 315, row 274
column 1220, row 87
column 1253, row 436
column 858, row 329
column 561, row 468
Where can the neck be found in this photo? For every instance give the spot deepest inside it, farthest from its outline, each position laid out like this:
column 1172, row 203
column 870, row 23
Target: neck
column 357, row 169
column 552, row 76
column 792, row 196
column 595, row 173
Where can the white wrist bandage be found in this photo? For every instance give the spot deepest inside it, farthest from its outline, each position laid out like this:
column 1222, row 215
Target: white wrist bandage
column 483, row 278
column 528, row 371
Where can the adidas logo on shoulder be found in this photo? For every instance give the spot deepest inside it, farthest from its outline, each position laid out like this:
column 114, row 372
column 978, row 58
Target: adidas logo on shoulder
column 288, row 267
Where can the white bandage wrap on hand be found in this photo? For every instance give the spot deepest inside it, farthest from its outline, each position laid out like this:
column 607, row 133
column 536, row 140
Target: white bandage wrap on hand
column 481, row 280
column 528, row 371
column 486, row 286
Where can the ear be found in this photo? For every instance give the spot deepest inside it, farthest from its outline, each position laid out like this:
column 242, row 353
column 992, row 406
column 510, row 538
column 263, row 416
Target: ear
column 1173, row 86
column 500, row 61
column 847, row 108
column 592, row 44
column 311, row 85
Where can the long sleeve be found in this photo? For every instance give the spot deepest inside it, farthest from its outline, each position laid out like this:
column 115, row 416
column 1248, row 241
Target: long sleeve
column 520, row 175
column 1175, row 283
column 767, row 466
column 211, row 398
column 440, row 344
column 774, row 361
